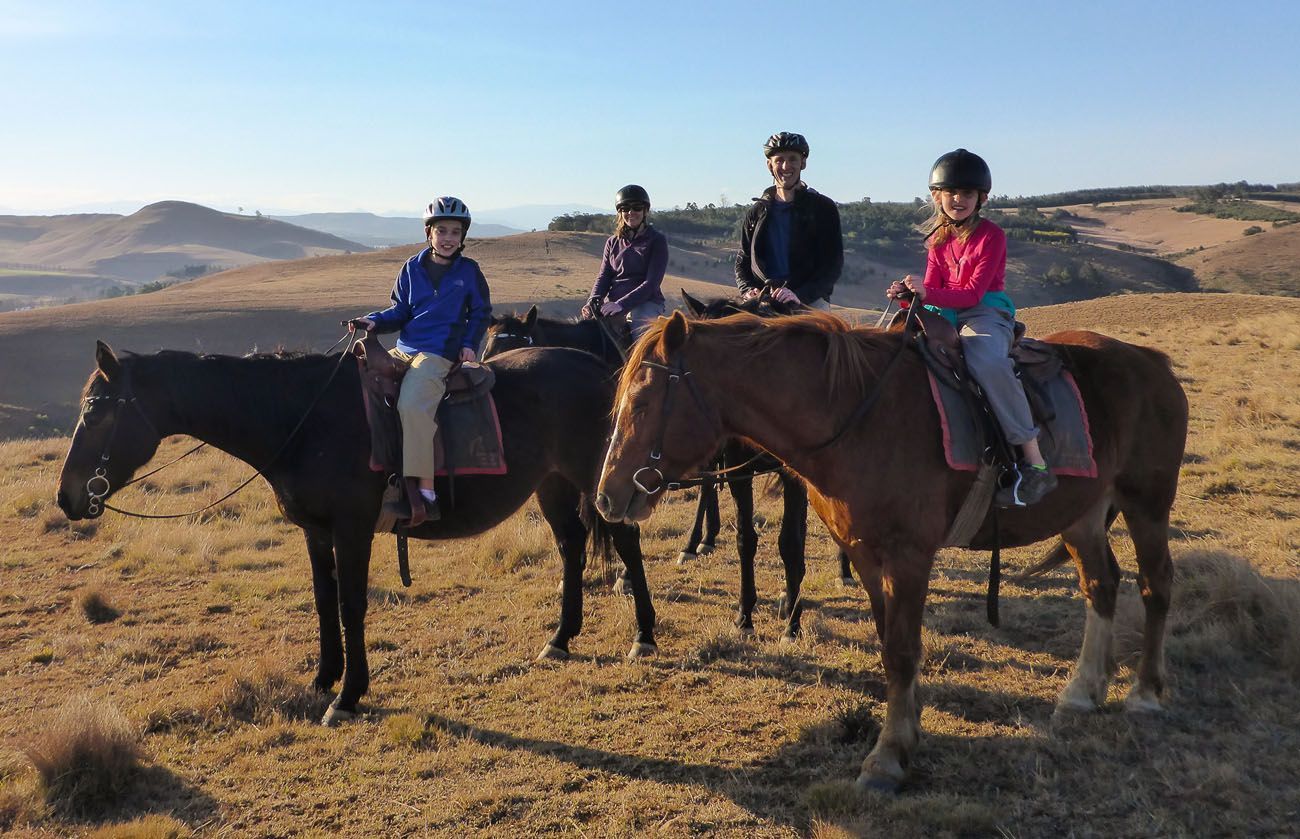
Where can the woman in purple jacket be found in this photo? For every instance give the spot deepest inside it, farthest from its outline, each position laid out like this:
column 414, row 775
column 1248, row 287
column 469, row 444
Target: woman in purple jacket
column 632, row 267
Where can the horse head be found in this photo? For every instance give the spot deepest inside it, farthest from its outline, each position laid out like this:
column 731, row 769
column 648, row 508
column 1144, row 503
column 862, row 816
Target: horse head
column 760, row 304
column 113, row 437
column 664, row 424
column 510, row 332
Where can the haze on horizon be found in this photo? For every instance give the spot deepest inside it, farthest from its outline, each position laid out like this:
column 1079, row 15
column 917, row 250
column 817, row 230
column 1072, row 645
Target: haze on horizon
column 296, row 107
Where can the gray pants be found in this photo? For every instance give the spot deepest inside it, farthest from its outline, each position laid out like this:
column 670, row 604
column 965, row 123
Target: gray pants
column 986, row 333
column 640, row 316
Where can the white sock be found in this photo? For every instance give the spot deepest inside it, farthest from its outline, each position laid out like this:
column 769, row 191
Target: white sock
column 428, row 494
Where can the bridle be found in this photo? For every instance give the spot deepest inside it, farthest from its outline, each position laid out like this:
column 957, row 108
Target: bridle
column 96, row 503
column 677, row 373
column 97, row 485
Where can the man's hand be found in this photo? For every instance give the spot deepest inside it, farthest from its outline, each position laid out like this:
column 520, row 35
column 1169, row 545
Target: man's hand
column 364, row 324
column 785, row 295
column 591, row 309
column 610, row 309
column 750, row 294
column 467, row 355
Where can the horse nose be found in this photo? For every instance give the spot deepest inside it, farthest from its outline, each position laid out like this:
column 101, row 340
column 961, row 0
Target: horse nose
column 64, row 503
column 603, row 504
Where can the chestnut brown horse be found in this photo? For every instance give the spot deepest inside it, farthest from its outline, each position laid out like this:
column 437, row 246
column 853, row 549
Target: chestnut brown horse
column 882, row 486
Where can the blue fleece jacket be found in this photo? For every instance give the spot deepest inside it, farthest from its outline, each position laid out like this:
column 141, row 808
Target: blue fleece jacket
column 437, row 319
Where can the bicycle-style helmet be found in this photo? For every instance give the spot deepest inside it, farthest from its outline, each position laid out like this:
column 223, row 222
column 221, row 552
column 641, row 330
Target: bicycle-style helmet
column 448, row 207
column 961, row 169
column 785, row 141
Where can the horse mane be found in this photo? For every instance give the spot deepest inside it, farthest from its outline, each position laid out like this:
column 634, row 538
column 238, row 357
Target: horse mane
column 851, row 351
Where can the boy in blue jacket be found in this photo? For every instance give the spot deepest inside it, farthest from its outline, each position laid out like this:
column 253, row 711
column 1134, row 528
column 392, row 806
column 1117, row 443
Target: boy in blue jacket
column 442, row 306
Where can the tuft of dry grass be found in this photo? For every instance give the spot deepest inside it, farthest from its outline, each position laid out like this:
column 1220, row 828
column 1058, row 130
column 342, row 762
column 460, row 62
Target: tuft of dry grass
column 86, row 757
column 1219, row 598
column 410, row 731
column 149, row 827
column 95, row 606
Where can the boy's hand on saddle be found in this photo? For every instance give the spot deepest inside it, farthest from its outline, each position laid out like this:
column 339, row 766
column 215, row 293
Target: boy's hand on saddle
column 467, row 355
column 363, row 324
column 610, row 309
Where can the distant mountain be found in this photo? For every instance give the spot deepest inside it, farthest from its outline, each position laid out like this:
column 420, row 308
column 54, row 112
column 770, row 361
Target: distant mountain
column 383, row 231
column 164, row 237
column 534, row 216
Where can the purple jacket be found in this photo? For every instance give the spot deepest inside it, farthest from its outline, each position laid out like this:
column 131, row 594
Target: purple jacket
column 631, row 270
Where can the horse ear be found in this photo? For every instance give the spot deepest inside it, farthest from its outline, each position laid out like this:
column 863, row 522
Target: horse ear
column 106, row 361
column 696, row 307
column 675, row 331
column 531, row 317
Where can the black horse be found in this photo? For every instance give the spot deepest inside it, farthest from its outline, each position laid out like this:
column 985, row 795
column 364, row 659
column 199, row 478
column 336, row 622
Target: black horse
column 608, row 338
column 553, row 405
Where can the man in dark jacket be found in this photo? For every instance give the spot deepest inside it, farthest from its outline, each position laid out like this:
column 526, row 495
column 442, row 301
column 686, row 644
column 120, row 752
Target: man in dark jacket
column 790, row 239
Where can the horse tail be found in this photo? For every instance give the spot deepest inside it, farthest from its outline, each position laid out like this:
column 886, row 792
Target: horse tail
column 600, row 537
column 1055, row 558
column 1059, row 554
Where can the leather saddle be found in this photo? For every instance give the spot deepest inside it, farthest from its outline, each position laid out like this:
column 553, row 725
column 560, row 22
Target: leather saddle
column 381, row 382
column 939, row 343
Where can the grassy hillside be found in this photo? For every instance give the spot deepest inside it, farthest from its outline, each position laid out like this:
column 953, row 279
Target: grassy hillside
column 186, row 646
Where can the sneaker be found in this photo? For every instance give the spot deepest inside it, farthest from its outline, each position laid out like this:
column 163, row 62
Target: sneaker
column 1030, row 485
column 402, row 510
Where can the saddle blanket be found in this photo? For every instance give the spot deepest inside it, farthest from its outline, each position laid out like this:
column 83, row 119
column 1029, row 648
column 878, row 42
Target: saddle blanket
column 468, row 441
column 1064, row 439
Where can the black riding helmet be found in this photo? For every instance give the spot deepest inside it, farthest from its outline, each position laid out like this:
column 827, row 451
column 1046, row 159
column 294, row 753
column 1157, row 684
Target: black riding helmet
column 631, row 194
column 785, row 141
column 961, row 169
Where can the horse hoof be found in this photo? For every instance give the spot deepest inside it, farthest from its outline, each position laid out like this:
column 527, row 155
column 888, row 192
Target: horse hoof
column 335, row 715
column 553, row 653
column 685, row 557
column 848, row 582
column 1138, row 703
column 642, row 650
column 704, row 549
column 878, row 785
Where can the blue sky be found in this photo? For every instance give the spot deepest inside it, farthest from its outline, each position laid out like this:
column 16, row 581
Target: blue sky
column 305, row 107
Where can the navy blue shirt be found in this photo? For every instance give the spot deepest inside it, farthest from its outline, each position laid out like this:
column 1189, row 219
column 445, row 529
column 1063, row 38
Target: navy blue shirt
column 776, row 240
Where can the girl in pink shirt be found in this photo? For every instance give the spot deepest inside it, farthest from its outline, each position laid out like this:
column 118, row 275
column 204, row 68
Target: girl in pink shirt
column 965, row 275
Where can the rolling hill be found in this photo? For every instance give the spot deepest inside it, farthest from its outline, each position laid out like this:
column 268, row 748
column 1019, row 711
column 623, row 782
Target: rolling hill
column 381, row 231
column 169, row 236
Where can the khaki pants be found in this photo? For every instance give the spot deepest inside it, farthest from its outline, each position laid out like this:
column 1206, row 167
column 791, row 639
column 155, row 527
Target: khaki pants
column 417, row 405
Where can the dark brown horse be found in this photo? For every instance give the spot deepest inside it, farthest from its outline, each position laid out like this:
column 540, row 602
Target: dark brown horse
column 553, row 406
column 883, row 488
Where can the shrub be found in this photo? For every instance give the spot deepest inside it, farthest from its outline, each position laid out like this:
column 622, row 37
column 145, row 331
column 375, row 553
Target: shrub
column 87, row 756
column 1252, row 230
column 96, row 607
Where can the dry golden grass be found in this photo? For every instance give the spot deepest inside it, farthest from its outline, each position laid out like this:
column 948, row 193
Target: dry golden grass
column 463, row 733
column 86, row 755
